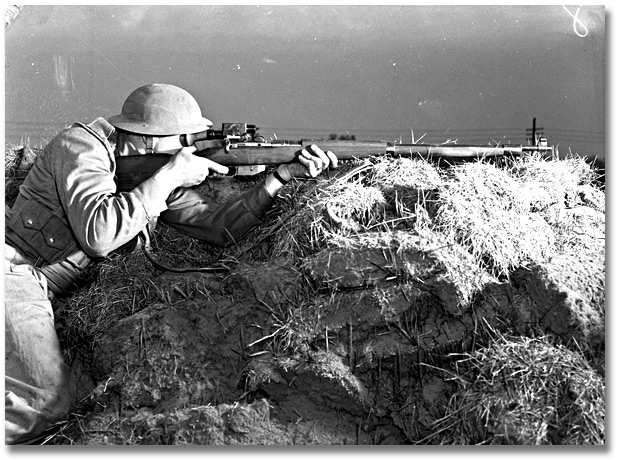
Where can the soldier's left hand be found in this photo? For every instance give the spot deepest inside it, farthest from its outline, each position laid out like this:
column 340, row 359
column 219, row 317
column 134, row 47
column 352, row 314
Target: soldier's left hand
column 312, row 161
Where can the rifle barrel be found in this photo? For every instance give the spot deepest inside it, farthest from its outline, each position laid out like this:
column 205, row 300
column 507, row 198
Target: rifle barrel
column 253, row 153
column 133, row 170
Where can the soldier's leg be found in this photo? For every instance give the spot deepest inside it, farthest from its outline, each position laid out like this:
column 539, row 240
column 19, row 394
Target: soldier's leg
column 39, row 386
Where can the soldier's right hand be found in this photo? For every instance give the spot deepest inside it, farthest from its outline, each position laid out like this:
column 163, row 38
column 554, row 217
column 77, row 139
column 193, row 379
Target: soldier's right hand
column 184, row 169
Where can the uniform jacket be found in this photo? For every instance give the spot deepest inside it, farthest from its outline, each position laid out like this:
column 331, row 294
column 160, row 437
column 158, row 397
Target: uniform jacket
column 69, row 212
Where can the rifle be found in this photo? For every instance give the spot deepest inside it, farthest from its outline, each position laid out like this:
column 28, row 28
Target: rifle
column 239, row 147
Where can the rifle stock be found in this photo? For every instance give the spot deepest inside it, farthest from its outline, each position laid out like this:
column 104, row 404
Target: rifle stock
column 133, row 170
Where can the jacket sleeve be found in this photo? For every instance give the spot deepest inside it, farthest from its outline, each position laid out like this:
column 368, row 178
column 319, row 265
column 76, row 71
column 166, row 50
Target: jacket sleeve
column 102, row 219
column 195, row 215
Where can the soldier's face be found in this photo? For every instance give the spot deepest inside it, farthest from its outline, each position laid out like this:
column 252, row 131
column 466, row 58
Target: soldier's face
column 136, row 144
column 168, row 144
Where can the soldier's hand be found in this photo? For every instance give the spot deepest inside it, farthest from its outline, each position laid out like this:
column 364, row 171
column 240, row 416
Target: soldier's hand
column 311, row 162
column 184, row 169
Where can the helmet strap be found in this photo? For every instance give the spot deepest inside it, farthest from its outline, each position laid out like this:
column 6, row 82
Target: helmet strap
column 148, row 141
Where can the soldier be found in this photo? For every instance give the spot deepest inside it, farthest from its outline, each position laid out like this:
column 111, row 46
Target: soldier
column 69, row 214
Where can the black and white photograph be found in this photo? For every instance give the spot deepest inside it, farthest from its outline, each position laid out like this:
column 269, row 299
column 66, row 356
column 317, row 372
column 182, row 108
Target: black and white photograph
column 305, row 225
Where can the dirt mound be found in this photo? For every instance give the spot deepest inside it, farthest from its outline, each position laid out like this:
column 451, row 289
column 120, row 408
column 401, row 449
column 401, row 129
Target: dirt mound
column 375, row 307
column 210, row 353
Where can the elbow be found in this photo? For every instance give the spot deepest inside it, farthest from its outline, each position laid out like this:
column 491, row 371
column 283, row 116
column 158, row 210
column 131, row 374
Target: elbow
column 99, row 243
column 222, row 240
column 97, row 249
column 101, row 249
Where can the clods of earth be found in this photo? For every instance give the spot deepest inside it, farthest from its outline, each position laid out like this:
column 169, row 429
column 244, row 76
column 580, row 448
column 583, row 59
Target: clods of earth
column 395, row 302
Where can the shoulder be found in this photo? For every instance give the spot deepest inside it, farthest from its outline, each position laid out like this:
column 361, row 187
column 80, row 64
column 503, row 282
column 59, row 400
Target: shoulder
column 101, row 127
column 90, row 136
column 103, row 131
column 94, row 142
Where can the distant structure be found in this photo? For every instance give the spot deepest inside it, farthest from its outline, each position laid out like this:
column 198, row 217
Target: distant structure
column 534, row 130
column 342, row 137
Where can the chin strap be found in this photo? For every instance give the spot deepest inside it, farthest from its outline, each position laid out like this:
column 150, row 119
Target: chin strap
column 149, row 255
column 148, row 141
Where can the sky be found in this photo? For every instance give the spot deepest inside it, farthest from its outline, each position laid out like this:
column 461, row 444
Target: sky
column 466, row 74
column 435, row 73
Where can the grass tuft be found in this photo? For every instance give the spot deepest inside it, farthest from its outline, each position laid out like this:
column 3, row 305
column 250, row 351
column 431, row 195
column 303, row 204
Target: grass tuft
column 525, row 391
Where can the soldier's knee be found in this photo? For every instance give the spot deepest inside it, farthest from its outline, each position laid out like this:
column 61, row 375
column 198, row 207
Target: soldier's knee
column 30, row 411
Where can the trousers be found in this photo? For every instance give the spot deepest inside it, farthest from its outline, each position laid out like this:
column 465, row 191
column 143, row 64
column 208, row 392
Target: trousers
column 40, row 388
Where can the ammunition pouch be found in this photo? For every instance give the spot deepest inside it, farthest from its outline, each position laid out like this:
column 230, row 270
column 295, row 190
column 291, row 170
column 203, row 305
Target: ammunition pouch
column 48, row 241
column 40, row 234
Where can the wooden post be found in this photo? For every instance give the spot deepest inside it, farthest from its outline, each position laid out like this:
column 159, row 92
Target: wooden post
column 534, row 130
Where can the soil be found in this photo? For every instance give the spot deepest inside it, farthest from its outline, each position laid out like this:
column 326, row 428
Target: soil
column 358, row 345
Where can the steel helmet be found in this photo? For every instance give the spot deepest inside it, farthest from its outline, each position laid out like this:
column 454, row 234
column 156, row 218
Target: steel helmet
column 160, row 110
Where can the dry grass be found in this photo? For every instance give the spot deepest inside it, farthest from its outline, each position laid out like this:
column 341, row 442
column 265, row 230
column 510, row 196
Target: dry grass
column 120, row 289
column 322, row 213
column 389, row 174
column 561, row 181
column 524, row 391
column 565, row 193
column 18, row 160
column 178, row 251
column 483, row 208
column 123, row 286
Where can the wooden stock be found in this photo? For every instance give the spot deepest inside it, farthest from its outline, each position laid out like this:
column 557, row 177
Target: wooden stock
column 135, row 169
